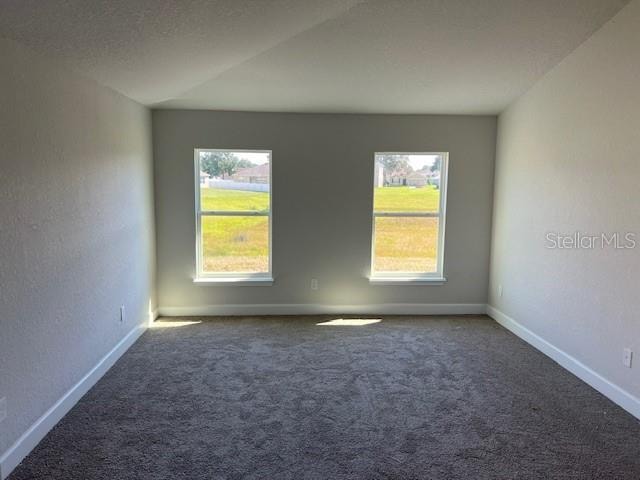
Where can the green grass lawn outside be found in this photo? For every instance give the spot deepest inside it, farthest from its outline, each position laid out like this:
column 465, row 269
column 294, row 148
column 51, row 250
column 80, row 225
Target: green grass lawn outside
column 240, row 244
column 406, row 199
column 235, row 244
column 218, row 199
column 405, row 244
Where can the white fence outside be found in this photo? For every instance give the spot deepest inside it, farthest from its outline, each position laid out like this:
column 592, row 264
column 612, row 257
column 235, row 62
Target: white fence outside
column 233, row 185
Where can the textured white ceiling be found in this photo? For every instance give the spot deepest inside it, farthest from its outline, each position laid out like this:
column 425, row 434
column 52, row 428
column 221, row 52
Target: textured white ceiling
column 383, row 56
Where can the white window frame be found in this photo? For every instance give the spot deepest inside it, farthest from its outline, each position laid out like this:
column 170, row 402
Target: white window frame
column 233, row 278
column 432, row 278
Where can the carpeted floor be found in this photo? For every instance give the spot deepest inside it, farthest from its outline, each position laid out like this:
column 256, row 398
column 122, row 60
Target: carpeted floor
column 285, row 398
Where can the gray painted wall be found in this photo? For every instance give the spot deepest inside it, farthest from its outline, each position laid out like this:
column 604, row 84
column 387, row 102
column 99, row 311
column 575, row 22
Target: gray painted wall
column 76, row 230
column 569, row 160
column 322, row 199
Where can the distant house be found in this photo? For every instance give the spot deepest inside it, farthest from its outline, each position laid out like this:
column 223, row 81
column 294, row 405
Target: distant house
column 417, row 179
column 397, row 177
column 432, row 177
column 204, row 176
column 257, row 174
column 404, row 176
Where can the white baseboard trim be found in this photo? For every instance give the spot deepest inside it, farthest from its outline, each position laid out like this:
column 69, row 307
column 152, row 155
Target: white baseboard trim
column 28, row 441
column 320, row 309
column 609, row 389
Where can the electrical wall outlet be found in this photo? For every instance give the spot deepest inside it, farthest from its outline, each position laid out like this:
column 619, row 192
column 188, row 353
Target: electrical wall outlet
column 3, row 408
column 627, row 357
column 122, row 314
column 314, row 284
column 500, row 290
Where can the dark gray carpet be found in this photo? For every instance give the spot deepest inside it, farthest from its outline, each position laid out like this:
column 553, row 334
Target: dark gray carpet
column 283, row 398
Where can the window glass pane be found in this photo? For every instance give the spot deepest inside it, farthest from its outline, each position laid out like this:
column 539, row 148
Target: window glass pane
column 235, row 244
column 234, row 181
column 406, row 244
column 407, row 182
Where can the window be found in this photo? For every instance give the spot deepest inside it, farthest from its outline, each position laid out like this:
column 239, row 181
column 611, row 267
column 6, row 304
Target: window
column 408, row 217
column 233, row 215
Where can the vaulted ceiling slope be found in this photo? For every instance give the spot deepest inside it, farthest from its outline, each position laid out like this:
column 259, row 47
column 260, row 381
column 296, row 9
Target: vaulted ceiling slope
column 373, row 56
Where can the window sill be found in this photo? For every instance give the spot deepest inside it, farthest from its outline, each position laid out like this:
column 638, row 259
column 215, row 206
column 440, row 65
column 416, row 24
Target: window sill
column 407, row 280
column 234, row 281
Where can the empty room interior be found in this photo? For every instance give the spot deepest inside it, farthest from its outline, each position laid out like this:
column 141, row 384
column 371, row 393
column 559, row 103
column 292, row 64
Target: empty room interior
column 319, row 239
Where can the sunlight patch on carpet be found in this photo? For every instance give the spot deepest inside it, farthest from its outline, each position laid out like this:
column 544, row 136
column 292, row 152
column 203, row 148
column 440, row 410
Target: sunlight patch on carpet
column 350, row 322
column 173, row 324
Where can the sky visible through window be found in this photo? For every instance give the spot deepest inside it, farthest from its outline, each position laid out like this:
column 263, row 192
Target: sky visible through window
column 418, row 162
column 257, row 158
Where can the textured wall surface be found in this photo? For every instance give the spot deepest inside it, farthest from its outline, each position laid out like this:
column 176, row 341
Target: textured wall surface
column 76, row 230
column 322, row 200
column 568, row 160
